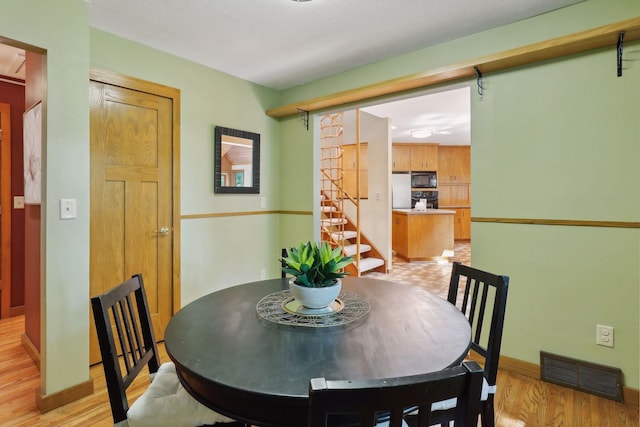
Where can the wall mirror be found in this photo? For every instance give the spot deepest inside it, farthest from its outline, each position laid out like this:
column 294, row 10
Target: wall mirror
column 237, row 161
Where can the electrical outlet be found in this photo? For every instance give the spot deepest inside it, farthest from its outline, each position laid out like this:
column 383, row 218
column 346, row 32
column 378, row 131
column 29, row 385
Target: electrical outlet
column 604, row 335
column 263, row 274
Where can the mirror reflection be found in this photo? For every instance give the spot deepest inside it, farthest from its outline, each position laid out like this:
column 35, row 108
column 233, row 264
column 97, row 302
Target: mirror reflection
column 237, row 161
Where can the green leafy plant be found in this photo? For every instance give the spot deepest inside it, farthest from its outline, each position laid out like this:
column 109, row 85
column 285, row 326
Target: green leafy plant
column 315, row 266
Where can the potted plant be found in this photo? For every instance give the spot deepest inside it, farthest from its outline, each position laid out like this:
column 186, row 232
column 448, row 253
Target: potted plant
column 316, row 270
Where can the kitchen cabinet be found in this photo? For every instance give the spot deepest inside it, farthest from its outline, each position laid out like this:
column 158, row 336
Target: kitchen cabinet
column 349, row 167
column 414, row 157
column 349, row 156
column 454, row 195
column 457, row 197
column 462, row 224
column 454, row 186
column 424, row 157
column 401, row 158
column 422, row 235
column 349, row 184
column 454, row 164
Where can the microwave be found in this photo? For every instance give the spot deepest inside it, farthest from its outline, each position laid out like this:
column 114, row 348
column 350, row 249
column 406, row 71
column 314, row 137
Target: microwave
column 424, row 180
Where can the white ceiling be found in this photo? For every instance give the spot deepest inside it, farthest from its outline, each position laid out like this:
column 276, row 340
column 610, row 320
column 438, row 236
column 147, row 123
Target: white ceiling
column 284, row 43
column 446, row 115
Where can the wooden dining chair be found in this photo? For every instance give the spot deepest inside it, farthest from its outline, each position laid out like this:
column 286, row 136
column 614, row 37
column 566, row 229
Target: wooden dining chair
column 483, row 302
column 126, row 339
column 368, row 403
column 284, row 253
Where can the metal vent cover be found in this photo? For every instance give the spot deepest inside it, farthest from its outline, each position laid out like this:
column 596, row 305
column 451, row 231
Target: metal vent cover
column 601, row 380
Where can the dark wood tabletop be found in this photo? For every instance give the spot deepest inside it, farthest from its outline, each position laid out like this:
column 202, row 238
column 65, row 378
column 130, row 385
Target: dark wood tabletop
column 256, row 371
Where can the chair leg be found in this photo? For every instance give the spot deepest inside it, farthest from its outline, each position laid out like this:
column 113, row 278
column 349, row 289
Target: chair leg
column 487, row 415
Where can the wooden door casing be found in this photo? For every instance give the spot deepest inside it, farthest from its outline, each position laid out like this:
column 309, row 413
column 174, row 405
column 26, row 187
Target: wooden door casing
column 133, row 196
column 5, row 209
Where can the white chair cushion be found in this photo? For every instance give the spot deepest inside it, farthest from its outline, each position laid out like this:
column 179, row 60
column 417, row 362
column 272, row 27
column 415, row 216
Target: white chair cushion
column 443, row 405
column 167, row 404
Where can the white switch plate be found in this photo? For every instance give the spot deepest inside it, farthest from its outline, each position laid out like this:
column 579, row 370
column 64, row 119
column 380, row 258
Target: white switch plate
column 68, row 209
column 263, row 202
column 18, row 202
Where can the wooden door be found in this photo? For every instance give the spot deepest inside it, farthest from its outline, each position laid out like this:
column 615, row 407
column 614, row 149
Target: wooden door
column 131, row 224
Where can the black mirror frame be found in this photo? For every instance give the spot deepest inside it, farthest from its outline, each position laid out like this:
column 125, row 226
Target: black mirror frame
column 255, row 159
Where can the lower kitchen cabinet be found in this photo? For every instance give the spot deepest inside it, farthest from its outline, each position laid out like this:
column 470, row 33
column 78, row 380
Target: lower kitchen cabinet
column 420, row 236
column 462, row 224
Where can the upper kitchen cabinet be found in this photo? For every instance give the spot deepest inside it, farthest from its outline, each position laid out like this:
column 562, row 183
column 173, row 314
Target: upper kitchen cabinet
column 401, row 158
column 424, row 157
column 414, row 157
column 350, row 169
column 454, row 164
column 349, row 157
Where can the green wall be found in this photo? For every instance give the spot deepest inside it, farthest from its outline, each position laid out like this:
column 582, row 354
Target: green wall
column 61, row 28
column 216, row 251
column 561, row 140
column 555, row 140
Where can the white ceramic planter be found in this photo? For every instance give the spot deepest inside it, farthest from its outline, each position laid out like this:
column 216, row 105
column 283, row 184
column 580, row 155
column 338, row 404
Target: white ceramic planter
column 315, row 297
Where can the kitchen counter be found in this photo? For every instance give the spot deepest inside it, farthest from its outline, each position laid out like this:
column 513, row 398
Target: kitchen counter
column 427, row 212
column 422, row 235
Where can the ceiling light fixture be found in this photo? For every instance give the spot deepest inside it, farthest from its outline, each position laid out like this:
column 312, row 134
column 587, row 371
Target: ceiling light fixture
column 421, row 133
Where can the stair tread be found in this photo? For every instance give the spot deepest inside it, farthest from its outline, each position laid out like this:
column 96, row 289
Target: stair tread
column 352, row 249
column 370, row 263
column 348, row 234
column 334, row 221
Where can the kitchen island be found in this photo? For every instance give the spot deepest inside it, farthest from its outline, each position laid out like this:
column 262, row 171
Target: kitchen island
column 422, row 235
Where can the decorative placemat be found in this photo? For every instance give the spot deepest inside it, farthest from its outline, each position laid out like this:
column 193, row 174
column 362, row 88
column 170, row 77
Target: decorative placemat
column 281, row 308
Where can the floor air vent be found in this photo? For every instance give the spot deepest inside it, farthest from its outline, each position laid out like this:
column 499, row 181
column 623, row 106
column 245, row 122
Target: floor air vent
column 600, row 380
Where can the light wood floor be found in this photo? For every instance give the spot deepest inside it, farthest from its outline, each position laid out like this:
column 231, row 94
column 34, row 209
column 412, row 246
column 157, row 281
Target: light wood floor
column 520, row 400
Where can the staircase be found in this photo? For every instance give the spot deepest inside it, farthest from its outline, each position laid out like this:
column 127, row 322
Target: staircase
column 335, row 226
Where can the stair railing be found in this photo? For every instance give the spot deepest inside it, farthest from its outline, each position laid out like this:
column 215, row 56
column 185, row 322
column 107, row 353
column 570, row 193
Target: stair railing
column 332, row 180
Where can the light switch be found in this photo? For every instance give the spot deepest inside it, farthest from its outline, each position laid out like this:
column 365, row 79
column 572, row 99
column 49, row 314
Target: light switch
column 18, row 202
column 68, row 209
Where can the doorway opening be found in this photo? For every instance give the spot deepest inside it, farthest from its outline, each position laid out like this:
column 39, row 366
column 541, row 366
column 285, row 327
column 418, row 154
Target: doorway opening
column 440, row 122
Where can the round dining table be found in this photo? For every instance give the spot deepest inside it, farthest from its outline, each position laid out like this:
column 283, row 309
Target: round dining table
column 249, row 352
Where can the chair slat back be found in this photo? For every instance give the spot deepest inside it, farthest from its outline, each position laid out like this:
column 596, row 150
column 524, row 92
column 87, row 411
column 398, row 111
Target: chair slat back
column 366, row 402
column 284, row 253
column 481, row 289
column 125, row 332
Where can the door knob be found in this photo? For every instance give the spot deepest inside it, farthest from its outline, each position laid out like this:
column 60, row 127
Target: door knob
column 163, row 230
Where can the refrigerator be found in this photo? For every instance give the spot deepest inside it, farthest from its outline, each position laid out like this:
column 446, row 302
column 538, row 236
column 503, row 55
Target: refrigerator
column 401, row 190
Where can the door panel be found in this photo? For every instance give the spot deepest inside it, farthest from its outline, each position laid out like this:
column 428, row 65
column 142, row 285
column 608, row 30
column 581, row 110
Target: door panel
column 131, row 196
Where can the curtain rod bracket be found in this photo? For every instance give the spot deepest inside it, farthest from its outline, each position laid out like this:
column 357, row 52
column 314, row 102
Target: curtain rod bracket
column 620, row 40
column 479, row 81
column 304, row 116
